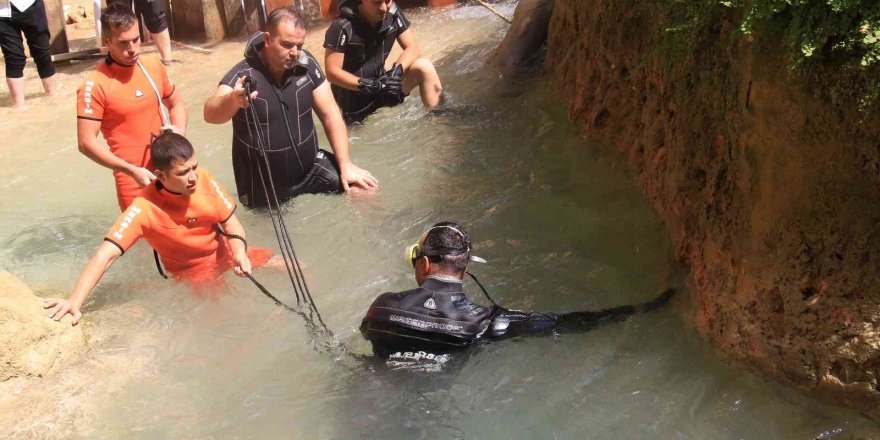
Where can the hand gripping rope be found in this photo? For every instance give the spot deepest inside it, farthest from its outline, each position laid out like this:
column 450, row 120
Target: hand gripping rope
column 291, row 263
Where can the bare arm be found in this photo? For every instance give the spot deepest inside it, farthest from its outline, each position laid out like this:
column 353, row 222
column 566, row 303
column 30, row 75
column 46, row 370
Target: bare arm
column 97, row 266
column 333, row 64
column 87, row 138
column 177, row 112
column 225, row 103
column 411, row 49
column 334, row 126
column 239, row 250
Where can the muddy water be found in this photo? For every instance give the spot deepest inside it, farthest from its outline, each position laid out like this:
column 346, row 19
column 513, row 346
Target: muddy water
column 559, row 220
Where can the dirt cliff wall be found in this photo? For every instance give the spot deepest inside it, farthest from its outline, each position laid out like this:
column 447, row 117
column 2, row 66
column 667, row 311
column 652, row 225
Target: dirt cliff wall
column 768, row 181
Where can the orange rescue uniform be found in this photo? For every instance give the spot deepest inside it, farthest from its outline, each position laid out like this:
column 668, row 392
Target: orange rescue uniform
column 123, row 101
column 183, row 229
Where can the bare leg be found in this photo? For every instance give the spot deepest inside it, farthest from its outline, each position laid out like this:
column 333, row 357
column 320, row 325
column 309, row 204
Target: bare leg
column 163, row 43
column 16, row 89
column 50, row 85
column 423, row 74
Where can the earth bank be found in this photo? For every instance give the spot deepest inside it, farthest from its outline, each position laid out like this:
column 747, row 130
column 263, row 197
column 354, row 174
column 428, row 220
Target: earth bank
column 767, row 180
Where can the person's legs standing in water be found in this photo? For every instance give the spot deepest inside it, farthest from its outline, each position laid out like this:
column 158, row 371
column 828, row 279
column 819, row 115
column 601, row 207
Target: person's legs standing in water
column 33, row 24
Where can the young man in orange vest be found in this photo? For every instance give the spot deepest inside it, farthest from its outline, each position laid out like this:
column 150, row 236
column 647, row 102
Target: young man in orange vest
column 180, row 215
column 122, row 99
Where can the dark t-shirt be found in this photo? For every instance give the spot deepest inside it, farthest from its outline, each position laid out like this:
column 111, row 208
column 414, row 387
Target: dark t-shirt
column 365, row 49
column 285, row 124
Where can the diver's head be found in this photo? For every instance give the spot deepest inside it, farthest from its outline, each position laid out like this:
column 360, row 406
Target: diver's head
column 372, row 11
column 175, row 162
column 121, row 34
column 284, row 35
column 444, row 249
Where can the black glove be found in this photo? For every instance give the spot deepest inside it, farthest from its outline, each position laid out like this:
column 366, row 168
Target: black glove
column 392, row 92
column 370, row 86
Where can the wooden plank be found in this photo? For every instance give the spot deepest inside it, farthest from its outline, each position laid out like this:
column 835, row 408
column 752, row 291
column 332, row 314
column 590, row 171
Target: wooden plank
column 328, row 8
column 212, row 20
column 275, row 4
column 254, row 14
column 81, row 54
column 242, row 17
column 55, row 16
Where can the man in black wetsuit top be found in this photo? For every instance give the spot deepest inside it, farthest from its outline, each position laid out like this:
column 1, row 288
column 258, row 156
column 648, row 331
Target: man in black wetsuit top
column 357, row 44
column 288, row 84
column 437, row 317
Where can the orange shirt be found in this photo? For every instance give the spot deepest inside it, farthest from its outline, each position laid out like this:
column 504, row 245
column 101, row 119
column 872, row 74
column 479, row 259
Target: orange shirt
column 182, row 229
column 122, row 99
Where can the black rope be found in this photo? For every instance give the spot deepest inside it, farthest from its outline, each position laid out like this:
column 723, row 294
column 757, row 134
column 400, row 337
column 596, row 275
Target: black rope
column 291, row 262
column 269, row 294
column 159, row 265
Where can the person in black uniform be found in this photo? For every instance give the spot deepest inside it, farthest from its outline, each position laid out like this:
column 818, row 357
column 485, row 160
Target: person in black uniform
column 288, row 84
column 357, row 44
column 26, row 17
column 437, row 317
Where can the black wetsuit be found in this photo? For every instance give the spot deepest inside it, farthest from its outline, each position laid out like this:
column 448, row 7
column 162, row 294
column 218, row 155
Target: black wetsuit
column 438, row 318
column 365, row 48
column 288, row 130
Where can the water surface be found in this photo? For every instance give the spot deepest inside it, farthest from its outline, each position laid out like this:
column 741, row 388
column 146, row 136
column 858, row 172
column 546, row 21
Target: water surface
column 559, row 219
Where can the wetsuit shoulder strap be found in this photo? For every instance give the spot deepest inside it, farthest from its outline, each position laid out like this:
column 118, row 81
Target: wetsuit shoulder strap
column 163, row 112
column 159, row 264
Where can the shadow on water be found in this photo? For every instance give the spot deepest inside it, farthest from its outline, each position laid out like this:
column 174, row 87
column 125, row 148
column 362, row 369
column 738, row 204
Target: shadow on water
column 71, row 235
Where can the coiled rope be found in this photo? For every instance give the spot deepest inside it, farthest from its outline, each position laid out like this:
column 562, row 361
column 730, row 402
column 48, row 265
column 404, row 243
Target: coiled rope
column 291, row 263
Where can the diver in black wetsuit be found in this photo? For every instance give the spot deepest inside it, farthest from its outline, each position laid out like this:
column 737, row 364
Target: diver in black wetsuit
column 437, row 317
column 288, row 84
column 357, row 44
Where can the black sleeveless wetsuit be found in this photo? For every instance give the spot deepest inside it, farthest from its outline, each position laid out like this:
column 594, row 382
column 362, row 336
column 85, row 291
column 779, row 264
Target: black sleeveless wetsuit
column 365, row 49
column 438, row 318
column 285, row 113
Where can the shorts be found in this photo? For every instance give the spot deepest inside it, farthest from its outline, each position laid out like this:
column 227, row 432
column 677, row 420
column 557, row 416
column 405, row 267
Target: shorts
column 210, row 275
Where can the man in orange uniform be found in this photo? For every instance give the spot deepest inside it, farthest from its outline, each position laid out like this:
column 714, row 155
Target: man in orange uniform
column 121, row 100
column 179, row 215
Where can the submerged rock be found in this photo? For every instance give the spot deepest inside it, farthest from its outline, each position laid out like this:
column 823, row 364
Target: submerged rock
column 523, row 45
column 31, row 344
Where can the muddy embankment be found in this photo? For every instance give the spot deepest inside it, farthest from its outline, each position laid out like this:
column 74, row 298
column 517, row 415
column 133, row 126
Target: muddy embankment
column 767, row 180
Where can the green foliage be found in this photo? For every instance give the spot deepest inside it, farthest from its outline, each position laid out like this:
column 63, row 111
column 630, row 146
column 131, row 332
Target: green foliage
column 832, row 27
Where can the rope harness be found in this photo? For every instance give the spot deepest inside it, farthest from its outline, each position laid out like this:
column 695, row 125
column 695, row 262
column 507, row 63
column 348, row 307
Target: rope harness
column 291, row 263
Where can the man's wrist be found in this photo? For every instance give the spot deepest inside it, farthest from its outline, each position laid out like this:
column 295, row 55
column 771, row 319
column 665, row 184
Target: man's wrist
column 127, row 169
column 239, row 249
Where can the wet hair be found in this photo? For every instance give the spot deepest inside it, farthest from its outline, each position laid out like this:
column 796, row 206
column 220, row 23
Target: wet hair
column 447, row 237
column 287, row 14
column 116, row 16
column 168, row 146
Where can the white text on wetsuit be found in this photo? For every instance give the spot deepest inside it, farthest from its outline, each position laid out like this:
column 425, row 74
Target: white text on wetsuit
column 220, row 193
column 132, row 212
column 425, row 324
